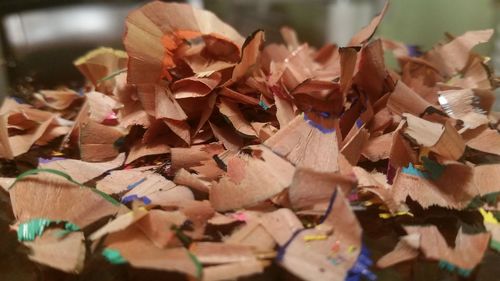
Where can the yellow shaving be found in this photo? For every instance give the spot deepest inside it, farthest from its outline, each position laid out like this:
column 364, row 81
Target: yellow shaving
column 308, row 238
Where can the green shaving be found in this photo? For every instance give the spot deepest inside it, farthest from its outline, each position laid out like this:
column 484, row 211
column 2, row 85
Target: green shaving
column 451, row 267
column 197, row 263
column 479, row 201
column 113, row 256
column 107, row 197
column 29, row 230
column 112, row 75
column 71, row 227
column 495, row 245
column 434, row 168
column 183, row 237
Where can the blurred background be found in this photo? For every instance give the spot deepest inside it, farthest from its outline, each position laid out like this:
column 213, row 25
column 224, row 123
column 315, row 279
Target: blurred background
column 39, row 39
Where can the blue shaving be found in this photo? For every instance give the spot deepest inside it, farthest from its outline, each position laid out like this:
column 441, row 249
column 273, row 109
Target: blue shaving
column 318, row 126
column 119, row 142
column 451, row 268
column 361, row 267
column 434, row 170
column 130, row 186
column 282, row 249
column 133, row 197
column 19, row 100
column 81, row 92
column 411, row 170
column 129, row 198
column 325, row 114
column 330, row 206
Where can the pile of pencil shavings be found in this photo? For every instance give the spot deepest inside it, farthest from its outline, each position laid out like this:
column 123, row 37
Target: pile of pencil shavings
column 201, row 152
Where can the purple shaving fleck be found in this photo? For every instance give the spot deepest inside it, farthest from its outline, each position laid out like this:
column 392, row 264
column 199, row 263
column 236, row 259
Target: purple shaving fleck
column 19, row 100
column 48, row 160
column 413, row 51
column 359, row 122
